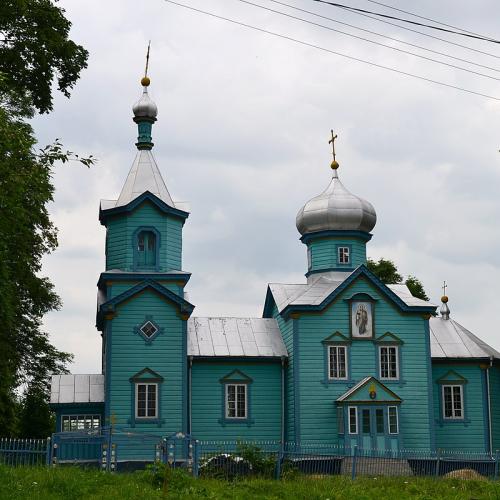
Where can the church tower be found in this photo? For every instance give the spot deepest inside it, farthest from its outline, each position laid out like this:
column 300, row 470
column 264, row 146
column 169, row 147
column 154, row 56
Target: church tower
column 142, row 311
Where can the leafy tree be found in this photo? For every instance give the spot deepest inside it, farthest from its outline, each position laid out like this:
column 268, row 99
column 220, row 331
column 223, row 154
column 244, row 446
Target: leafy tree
column 388, row 273
column 34, row 49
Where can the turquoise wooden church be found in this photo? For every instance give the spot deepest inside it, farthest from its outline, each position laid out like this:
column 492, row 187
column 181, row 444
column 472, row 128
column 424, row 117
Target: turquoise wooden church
column 340, row 358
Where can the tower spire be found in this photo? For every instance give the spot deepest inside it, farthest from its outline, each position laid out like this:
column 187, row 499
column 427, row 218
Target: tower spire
column 145, row 111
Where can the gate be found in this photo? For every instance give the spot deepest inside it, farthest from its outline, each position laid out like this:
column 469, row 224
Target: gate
column 181, row 450
column 79, row 447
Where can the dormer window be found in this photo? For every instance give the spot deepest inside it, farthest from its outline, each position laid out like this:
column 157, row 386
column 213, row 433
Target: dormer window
column 344, row 255
column 146, row 249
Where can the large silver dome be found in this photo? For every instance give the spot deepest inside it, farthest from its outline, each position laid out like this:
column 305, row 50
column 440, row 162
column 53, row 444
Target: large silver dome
column 336, row 209
column 145, row 107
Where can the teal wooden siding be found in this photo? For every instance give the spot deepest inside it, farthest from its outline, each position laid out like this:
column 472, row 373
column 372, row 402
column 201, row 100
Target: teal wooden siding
column 470, row 434
column 318, row 417
column 324, row 253
column 118, row 287
column 130, row 353
column 120, row 233
column 495, row 405
column 264, row 401
column 286, row 328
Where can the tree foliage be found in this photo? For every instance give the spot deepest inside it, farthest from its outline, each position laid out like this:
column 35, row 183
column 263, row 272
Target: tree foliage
column 34, row 50
column 388, row 273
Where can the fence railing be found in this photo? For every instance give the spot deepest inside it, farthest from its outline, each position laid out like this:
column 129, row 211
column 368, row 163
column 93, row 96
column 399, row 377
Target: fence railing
column 16, row 452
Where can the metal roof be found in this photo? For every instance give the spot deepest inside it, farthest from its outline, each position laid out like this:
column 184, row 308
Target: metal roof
column 143, row 176
column 77, row 389
column 449, row 339
column 252, row 337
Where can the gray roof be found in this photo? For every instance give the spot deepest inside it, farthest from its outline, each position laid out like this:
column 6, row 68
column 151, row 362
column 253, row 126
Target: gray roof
column 253, row 337
column 317, row 291
column 143, row 176
column 77, row 389
column 449, row 339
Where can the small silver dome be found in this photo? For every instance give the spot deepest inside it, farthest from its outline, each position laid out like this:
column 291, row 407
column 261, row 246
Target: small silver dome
column 336, row 209
column 145, row 107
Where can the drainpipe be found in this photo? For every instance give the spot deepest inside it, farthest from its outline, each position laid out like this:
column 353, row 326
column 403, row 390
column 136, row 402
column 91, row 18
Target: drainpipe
column 190, row 366
column 489, row 404
column 282, row 401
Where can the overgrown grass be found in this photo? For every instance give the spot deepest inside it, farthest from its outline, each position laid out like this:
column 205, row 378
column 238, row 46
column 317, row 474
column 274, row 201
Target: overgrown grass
column 71, row 483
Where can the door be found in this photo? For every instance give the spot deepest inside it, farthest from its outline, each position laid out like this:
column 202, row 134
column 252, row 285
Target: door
column 374, row 429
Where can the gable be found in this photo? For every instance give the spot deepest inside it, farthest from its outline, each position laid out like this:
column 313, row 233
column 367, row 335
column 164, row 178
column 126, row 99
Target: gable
column 337, row 338
column 369, row 390
column 388, row 338
column 146, row 375
column 236, row 376
column 452, row 377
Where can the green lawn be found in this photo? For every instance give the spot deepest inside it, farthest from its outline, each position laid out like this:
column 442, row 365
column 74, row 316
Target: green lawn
column 70, row 483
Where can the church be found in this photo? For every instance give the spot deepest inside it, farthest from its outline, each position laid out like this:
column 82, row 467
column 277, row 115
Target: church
column 340, row 359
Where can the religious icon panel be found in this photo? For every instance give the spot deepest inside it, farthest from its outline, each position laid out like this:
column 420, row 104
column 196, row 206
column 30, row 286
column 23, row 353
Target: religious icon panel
column 362, row 320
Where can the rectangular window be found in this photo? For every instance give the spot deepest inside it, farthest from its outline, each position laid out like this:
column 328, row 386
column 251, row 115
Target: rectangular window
column 344, row 255
column 337, row 362
column 379, row 420
column 74, row 423
column 340, row 420
column 453, row 402
column 389, row 369
column 146, row 400
column 353, row 420
column 365, row 421
column 236, row 401
column 393, row 420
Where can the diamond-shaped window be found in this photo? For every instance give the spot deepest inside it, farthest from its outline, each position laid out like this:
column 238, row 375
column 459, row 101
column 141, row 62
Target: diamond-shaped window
column 148, row 329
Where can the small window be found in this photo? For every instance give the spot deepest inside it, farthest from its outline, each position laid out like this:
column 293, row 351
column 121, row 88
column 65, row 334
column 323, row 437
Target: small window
column 393, row 420
column 236, row 401
column 353, row 420
column 148, row 329
column 73, row 423
column 379, row 420
column 453, row 407
column 340, row 420
column 389, row 369
column 146, row 249
column 344, row 255
column 337, row 362
column 146, row 401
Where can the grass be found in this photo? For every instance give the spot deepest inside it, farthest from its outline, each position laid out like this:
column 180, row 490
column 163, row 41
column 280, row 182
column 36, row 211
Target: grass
column 71, row 483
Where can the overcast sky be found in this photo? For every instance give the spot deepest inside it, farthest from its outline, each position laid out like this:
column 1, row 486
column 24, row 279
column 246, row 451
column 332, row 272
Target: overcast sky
column 242, row 134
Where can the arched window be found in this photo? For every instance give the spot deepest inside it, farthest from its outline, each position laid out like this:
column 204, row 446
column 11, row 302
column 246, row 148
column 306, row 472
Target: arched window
column 146, row 249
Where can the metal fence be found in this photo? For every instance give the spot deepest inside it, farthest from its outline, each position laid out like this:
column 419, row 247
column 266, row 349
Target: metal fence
column 16, row 452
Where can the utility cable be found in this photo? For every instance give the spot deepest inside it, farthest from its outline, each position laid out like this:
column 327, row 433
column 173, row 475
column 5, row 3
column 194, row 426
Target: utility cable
column 430, row 26
column 454, row 66
column 398, row 40
column 323, row 49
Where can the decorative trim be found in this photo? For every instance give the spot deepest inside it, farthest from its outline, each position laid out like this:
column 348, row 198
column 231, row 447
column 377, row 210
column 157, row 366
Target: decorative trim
column 336, row 338
column 388, row 338
column 107, row 278
column 327, row 344
column 362, row 297
column 452, row 420
column 378, row 358
column 361, row 235
column 138, row 378
column 451, row 377
column 135, row 236
column 330, row 270
column 138, row 330
column 236, row 377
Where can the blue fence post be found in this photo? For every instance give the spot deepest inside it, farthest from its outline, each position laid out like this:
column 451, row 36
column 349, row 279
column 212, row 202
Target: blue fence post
column 497, row 457
column 438, row 462
column 196, row 458
column 354, row 460
column 48, row 450
column 279, row 462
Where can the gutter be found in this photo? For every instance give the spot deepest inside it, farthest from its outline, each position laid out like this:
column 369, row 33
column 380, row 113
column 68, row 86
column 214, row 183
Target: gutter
column 490, row 438
column 190, row 366
column 282, row 401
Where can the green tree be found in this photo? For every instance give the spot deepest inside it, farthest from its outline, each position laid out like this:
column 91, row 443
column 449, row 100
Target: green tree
column 388, row 273
column 34, row 50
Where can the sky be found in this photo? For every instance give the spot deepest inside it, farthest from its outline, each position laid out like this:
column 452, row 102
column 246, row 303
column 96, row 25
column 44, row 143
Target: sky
column 242, row 135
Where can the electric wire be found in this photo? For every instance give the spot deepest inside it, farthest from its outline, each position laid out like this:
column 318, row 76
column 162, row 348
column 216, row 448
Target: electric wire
column 324, row 49
column 402, row 51
column 444, row 40
column 423, row 17
column 430, row 26
column 398, row 40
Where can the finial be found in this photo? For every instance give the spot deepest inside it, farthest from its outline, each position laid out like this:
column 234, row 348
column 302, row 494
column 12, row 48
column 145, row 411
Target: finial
column 335, row 164
column 145, row 81
column 445, row 310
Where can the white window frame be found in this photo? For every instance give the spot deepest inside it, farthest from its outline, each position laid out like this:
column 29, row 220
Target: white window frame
column 81, row 417
column 380, row 347
column 147, row 384
column 349, row 408
column 389, row 420
column 226, row 391
column 346, row 251
column 462, row 405
column 330, row 362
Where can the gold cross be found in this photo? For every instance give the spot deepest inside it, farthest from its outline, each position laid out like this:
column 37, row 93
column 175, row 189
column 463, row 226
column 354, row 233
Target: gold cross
column 332, row 142
column 445, row 286
column 147, row 60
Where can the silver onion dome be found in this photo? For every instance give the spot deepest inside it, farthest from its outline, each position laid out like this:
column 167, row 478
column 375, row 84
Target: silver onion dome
column 336, row 209
column 145, row 107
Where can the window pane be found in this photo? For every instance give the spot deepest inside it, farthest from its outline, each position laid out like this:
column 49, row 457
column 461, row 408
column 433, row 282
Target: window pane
column 140, row 242
column 447, row 400
column 366, row 421
column 65, row 424
column 353, row 424
column 231, row 401
column 241, row 408
column 389, row 362
column 393, row 420
column 151, row 403
column 141, row 400
column 379, row 419
column 341, row 362
column 340, row 420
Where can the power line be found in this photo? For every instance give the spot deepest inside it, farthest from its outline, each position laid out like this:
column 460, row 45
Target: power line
column 454, row 66
column 323, row 49
column 398, row 40
column 424, row 34
column 423, row 17
column 461, row 33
